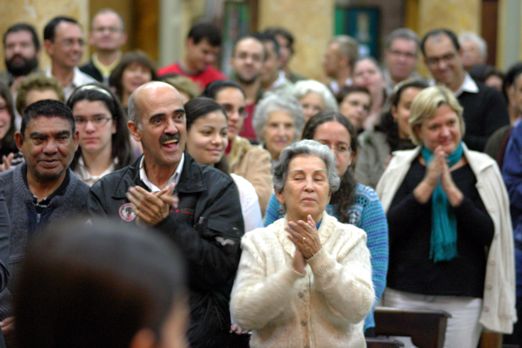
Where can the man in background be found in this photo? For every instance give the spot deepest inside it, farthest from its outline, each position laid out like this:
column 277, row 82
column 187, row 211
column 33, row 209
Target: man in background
column 339, row 58
column 474, row 49
column 64, row 43
column 484, row 107
column 247, row 60
column 401, row 49
column 21, row 49
column 201, row 54
column 107, row 38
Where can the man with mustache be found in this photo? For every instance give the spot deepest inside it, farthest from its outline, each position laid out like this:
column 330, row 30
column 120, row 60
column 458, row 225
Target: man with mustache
column 196, row 206
column 43, row 189
column 21, row 48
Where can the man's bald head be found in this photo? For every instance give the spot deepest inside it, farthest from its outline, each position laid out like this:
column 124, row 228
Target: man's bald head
column 142, row 94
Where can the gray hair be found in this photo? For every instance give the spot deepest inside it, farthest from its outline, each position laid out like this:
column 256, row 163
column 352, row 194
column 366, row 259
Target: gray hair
column 305, row 147
column 477, row 40
column 303, row 87
column 274, row 102
column 132, row 109
column 402, row 33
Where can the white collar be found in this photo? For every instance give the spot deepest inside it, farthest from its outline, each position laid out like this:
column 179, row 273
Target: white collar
column 334, row 86
column 87, row 177
column 468, row 85
column 174, row 179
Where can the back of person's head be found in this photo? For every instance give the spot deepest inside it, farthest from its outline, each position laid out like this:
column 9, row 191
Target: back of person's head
column 23, row 27
column 205, row 31
column 97, row 284
column 120, row 139
column 440, row 32
column 38, row 82
column 47, row 108
column 511, row 76
column 50, row 27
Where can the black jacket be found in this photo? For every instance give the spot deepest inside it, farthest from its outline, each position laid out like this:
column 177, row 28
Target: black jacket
column 484, row 113
column 206, row 227
column 90, row 69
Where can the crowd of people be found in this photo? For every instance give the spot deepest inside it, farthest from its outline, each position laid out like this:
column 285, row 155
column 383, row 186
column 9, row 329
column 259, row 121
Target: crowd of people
column 177, row 206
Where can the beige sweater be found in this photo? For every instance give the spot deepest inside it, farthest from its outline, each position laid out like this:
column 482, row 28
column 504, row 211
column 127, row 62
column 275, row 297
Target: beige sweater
column 254, row 164
column 323, row 308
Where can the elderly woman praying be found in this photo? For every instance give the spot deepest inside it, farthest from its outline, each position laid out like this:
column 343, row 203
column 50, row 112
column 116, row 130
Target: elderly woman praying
column 305, row 280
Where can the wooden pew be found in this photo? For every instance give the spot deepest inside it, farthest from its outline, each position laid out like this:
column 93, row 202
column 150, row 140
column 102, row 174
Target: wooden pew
column 382, row 342
column 425, row 327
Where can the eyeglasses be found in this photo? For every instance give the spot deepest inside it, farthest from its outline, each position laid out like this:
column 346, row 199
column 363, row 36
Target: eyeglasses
column 111, row 30
column 404, row 54
column 67, row 43
column 98, row 121
column 434, row 61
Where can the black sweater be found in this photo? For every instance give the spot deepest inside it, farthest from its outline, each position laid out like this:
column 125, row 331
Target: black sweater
column 484, row 113
column 410, row 267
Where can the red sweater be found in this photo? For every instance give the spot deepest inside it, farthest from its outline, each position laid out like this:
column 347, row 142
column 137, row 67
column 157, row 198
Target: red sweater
column 202, row 78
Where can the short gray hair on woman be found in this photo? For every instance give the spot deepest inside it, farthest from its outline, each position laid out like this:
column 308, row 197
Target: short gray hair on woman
column 303, row 87
column 426, row 104
column 305, row 147
column 274, row 102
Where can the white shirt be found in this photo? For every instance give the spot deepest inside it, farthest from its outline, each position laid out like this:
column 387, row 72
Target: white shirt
column 174, row 179
column 87, row 177
column 249, row 201
column 468, row 85
column 334, row 86
column 79, row 79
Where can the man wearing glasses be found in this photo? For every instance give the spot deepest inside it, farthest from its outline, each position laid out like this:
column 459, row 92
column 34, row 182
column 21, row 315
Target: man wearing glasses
column 400, row 57
column 64, row 43
column 107, row 37
column 484, row 108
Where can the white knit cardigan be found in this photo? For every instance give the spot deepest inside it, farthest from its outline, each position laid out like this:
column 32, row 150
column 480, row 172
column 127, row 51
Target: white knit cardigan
column 324, row 307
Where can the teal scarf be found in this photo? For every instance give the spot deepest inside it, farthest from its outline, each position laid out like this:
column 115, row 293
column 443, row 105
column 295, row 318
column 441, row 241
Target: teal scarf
column 444, row 224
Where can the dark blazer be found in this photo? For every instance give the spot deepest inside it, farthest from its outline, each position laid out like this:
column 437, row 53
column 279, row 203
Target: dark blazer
column 484, row 113
column 90, row 69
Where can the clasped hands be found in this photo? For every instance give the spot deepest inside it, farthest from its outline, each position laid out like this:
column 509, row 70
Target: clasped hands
column 305, row 237
column 438, row 170
column 152, row 207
